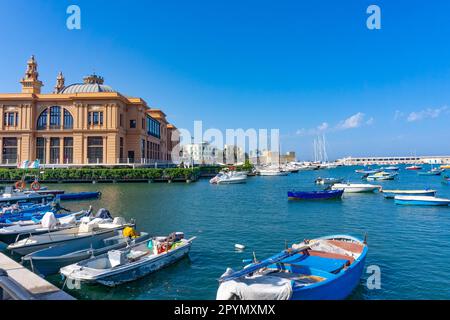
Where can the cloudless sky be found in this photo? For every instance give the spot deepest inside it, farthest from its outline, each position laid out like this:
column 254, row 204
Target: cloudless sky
column 289, row 64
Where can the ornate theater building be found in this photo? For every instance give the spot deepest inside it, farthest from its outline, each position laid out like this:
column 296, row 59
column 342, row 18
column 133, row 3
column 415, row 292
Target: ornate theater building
column 80, row 124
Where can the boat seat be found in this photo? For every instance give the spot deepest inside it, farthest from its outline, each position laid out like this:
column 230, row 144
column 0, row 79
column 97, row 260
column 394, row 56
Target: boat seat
column 306, row 261
column 349, row 246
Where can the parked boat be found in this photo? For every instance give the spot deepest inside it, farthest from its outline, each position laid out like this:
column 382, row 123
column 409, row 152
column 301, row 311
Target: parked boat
column 120, row 266
column 445, row 167
column 390, row 194
column 369, row 171
column 20, row 212
column 432, row 172
column 12, row 198
column 414, row 168
column 328, row 180
column 85, row 232
column 391, row 168
column 272, row 172
column 355, row 187
column 49, row 223
column 421, row 201
column 380, row 176
column 327, row 268
column 80, row 195
column 49, row 261
column 315, row 195
column 231, row 177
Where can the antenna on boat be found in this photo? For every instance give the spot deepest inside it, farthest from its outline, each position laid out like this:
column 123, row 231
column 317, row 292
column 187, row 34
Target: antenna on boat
column 285, row 244
column 365, row 238
column 254, row 257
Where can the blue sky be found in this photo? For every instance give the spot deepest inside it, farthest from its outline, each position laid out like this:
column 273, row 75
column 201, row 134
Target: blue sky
column 301, row 66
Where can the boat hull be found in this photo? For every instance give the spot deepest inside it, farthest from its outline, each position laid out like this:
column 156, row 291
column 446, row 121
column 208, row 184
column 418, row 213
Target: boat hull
column 330, row 195
column 393, row 194
column 79, row 196
column 133, row 271
column 422, row 203
column 355, row 189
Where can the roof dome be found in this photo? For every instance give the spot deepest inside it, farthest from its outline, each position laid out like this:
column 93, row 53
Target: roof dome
column 91, row 84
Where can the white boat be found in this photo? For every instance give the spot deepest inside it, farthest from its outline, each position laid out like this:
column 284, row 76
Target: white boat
column 390, row 194
column 120, row 266
column 49, row 223
column 421, row 201
column 231, row 177
column 82, row 233
column 381, row 176
column 355, row 187
column 49, row 261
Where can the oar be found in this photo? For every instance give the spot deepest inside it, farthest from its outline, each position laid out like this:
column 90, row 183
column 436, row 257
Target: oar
column 283, row 255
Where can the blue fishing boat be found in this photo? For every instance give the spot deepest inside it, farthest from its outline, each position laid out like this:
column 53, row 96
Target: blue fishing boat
column 327, row 268
column 421, row 201
column 390, row 194
column 80, row 195
column 315, row 195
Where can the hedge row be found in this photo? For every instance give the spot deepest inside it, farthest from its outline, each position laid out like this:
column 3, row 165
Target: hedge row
column 101, row 174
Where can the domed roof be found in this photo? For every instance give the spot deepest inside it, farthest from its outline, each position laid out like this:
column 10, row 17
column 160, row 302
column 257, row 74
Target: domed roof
column 91, row 84
column 86, row 88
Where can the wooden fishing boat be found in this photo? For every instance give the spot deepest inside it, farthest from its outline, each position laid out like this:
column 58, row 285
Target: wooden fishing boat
column 315, row 195
column 369, row 171
column 433, row 172
column 390, row 194
column 355, row 187
column 120, row 266
column 327, row 268
column 421, row 201
column 49, row 261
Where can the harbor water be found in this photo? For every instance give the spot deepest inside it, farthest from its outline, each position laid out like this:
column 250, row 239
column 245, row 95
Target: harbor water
column 408, row 243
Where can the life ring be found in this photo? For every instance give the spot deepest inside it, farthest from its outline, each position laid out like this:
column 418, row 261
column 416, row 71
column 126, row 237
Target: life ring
column 20, row 185
column 35, row 186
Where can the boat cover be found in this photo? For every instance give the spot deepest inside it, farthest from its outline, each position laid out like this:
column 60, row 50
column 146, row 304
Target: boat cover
column 255, row 288
column 103, row 214
column 49, row 220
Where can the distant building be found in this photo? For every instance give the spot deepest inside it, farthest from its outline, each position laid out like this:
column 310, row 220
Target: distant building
column 394, row 160
column 199, row 153
column 81, row 123
column 289, row 157
column 232, row 154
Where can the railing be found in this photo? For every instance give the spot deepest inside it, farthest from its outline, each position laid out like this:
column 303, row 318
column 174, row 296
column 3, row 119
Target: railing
column 11, row 289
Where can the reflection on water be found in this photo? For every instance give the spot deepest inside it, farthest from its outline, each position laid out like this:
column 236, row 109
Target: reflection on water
column 403, row 241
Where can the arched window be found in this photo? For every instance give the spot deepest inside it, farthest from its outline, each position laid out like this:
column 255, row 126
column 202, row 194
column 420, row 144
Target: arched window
column 55, row 117
column 68, row 120
column 42, row 120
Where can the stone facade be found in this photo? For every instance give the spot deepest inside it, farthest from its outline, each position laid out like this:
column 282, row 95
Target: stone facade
column 86, row 123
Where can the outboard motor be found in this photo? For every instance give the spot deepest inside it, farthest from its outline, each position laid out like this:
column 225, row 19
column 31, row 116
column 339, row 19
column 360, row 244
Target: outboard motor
column 103, row 214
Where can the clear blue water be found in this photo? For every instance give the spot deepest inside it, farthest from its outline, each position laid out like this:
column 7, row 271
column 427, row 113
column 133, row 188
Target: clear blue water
column 409, row 244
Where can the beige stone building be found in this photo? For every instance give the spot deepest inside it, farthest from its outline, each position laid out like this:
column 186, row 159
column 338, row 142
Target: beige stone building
column 78, row 124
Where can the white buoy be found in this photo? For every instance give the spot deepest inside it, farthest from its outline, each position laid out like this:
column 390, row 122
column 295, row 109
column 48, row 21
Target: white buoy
column 239, row 246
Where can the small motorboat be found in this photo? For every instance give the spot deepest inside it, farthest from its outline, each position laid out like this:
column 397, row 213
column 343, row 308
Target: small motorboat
column 355, row 187
column 432, row 172
column 80, row 195
column 315, row 195
column 390, row 194
column 327, row 268
column 391, row 168
column 231, row 177
column 445, row 166
column 328, row 180
column 49, row 223
column 415, row 167
column 120, row 266
column 382, row 175
column 272, row 172
column 421, row 201
column 368, row 171
column 87, row 230
column 16, row 197
column 49, row 261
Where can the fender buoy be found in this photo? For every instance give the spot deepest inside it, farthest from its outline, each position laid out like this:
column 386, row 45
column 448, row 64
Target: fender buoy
column 35, row 186
column 20, row 185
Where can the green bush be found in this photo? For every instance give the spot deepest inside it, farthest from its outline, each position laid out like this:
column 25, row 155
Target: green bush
column 99, row 174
